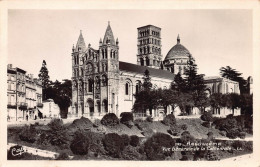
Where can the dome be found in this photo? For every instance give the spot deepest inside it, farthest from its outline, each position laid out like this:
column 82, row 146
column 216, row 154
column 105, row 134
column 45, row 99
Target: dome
column 177, row 51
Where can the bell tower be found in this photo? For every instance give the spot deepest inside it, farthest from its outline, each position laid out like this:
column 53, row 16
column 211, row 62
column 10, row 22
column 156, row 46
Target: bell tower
column 149, row 46
column 109, row 71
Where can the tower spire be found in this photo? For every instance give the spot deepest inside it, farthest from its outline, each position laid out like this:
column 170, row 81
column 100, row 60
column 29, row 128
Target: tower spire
column 109, row 37
column 81, row 43
column 178, row 39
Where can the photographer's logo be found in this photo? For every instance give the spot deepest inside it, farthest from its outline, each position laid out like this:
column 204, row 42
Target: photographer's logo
column 15, row 152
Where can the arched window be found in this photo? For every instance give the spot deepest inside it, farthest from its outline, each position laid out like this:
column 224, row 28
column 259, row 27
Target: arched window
column 105, row 105
column 172, row 69
column 180, row 70
column 104, row 80
column 82, row 72
column 89, row 67
column 90, row 85
column 126, row 88
column 147, row 61
column 142, row 61
column 97, row 80
column 137, row 87
column 154, row 62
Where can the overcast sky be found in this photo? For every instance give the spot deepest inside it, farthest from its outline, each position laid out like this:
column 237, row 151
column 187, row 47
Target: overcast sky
column 215, row 38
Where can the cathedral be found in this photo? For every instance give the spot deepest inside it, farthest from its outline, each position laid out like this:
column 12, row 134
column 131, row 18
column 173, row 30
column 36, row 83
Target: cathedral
column 102, row 84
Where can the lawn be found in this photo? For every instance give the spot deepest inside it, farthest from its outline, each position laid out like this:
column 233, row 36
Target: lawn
column 143, row 129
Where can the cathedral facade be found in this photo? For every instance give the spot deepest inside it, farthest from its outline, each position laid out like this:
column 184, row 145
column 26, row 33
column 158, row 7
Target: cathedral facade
column 102, row 84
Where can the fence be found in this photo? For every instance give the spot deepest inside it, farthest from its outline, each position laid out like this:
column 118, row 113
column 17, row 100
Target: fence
column 139, row 115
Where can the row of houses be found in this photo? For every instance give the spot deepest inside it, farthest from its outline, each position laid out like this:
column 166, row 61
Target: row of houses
column 24, row 97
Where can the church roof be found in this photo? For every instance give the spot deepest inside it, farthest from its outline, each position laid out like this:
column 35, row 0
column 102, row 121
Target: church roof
column 81, row 42
column 123, row 66
column 109, row 36
column 177, row 50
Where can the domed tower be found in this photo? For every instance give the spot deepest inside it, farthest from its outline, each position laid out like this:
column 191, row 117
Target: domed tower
column 149, row 46
column 177, row 58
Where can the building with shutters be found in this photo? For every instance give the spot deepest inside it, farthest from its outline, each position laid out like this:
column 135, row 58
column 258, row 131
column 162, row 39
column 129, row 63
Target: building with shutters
column 24, row 95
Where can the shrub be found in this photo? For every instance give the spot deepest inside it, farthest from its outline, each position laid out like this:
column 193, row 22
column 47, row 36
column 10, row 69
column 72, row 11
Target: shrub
column 249, row 146
column 126, row 116
column 131, row 153
column 147, row 132
column 223, row 133
column 149, row 119
column 56, row 124
column 184, row 127
column 96, row 142
column 226, row 124
column 232, row 133
column 110, row 119
column 242, row 135
column 138, row 120
column 210, row 136
column 58, row 135
column 134, row 140
column 28, row 134
column 80, row 144
column 153, row 147
column 169, row 120
column 238, row 144
column 212, row 156
column 63, row 156
column 207, row 116
column 125, row 139
column 206, row 124
column 230, row 116
column 127, row 119
column 174, row 130
column 186, row 137
column 113, row 144
column 96, row 123
column 81, row 124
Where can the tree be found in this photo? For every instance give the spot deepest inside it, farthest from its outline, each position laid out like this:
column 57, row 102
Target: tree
column 234, row 75
column 147, row 84
column 216, row 101
column 233, row 101
column 195, row 85
column 178, row 84
column 44, row 77
column 166, row 97
column 63, row 95
column 247, row 104
column 146, row 98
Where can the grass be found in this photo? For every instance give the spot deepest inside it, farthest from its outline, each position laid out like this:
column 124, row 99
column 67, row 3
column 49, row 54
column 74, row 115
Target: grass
column 197, row 130
column 193, row 126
